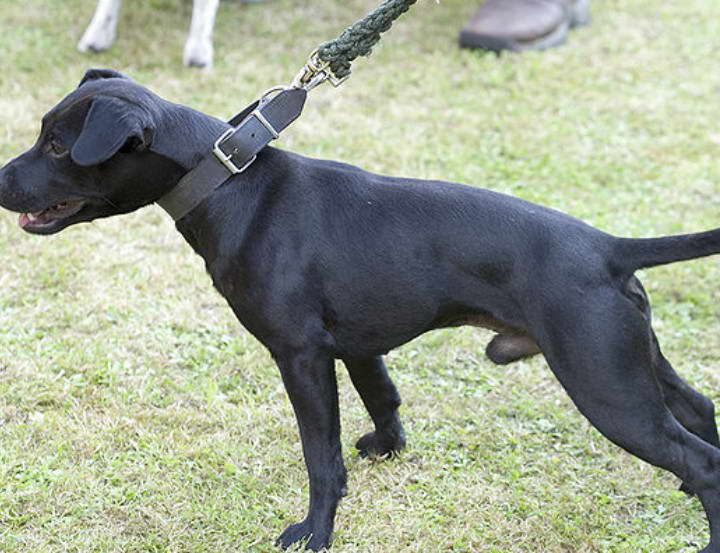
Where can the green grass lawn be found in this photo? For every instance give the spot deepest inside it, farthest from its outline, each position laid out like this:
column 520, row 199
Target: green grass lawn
column 136, row 415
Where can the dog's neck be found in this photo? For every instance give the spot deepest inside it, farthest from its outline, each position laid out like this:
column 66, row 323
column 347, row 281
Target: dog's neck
column 237, row 203
column 193, row 135
column 235, row 149
column 235, row 200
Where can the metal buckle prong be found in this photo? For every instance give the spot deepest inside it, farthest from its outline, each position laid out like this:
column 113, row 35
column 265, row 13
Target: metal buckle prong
column 225, row 159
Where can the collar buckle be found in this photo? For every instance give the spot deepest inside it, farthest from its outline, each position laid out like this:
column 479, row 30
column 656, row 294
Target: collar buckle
column 224, row 158
column 227, row 158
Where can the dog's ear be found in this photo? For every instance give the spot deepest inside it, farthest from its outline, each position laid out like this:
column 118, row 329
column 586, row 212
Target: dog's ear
column 110, row 125
column 94, row 74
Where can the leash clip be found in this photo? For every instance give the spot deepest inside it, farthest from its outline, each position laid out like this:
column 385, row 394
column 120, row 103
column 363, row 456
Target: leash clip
column 315, row 72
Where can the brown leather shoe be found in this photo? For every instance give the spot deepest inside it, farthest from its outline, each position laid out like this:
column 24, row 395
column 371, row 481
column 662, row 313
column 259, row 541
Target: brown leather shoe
column 518, row 25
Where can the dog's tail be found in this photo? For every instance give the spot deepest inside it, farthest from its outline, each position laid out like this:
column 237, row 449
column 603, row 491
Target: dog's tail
column 632, row 254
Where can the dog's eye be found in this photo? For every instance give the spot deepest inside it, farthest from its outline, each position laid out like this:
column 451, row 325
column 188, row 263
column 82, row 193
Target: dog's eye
column 55, row 148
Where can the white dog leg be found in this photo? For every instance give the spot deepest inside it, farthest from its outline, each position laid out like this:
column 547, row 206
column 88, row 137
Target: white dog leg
column 100, row 34
column 199, row 46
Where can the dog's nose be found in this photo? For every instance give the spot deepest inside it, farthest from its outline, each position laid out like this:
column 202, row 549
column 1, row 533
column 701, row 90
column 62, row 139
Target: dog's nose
column 4, row 177
column 3, row 184
column 8, row 187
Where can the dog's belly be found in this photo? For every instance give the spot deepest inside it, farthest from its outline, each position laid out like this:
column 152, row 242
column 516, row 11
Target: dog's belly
column 360, row 338
column 480, row 320
column 374, row 329
column 366, row 342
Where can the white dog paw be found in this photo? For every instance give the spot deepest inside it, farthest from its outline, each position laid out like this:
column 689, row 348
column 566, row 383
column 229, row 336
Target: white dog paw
column 96, row 39
column 198, row 53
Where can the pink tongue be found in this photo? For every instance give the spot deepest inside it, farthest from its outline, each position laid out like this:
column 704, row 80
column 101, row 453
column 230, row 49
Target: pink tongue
column 24, row 220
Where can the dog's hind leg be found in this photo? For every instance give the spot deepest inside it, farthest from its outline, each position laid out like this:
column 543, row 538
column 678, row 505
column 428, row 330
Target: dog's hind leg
column 382, row 400
column 600, row 348
column 100, row 34
column 309, row 377
column 199, row 45
column 692, row 409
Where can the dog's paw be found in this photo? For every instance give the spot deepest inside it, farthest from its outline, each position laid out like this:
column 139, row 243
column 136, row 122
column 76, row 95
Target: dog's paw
column 314, row 539
column 378, row 445
column 96, row 39
column 198, row 53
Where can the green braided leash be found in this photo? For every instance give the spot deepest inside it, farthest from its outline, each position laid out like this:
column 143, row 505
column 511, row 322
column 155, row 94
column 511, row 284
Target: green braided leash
column 331, row 61
column 358, row 39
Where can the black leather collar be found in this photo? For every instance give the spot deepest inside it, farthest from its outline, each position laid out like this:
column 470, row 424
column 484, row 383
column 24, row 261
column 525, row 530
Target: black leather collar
column 235, row 150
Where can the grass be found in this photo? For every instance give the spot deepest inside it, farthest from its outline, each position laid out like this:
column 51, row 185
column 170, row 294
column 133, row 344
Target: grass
column 136, row 414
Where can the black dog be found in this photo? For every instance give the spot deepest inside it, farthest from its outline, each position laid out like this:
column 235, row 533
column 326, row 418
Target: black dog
column 322, row 261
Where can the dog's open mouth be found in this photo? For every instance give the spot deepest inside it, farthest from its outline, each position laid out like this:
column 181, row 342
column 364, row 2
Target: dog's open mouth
column 47, row 218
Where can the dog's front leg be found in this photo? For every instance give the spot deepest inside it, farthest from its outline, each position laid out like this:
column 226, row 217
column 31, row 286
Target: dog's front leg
column 199, row 47
column 382, row 400
column 100, row 34
column 309, row 378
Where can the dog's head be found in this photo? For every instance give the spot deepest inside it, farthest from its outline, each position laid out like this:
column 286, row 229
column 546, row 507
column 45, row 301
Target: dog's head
column 103, row 150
